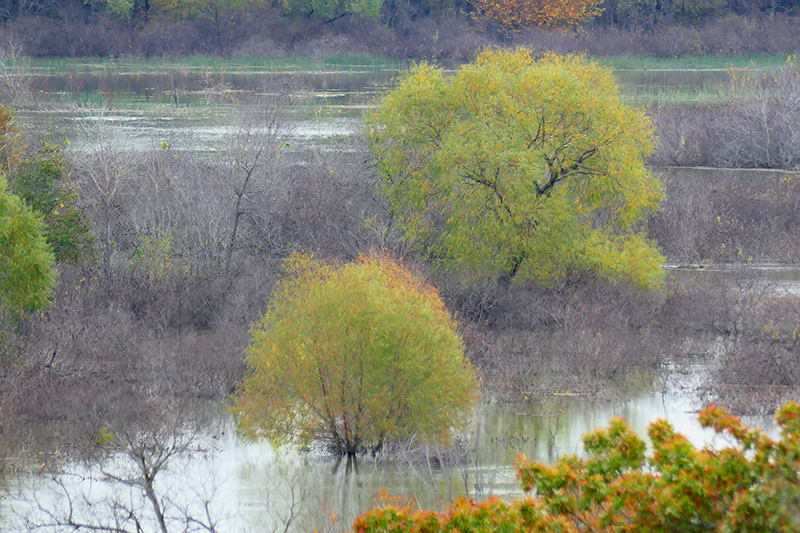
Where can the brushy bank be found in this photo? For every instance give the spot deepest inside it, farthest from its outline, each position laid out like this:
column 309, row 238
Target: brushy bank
column 268, row 33
column 165, row 313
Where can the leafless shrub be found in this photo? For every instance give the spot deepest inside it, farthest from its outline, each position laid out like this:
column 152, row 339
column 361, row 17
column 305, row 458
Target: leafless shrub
column 760, row 370
column 588, row 340
column 467, row 466
column 685, row 135
column 16, row 86
column 730, row 302
column 778, row 36
column 725, row 216
column 585, row 338
column 375, row 36
column 328, row 203
column 106, row 181
column 758, row 128
column 731, row 35
column 761, row 127
column 161, row 39
column 675, row 41
column 612, row 41
column 326, row 45
column 553, row 41
column 440, row 38
column 71, row 37
column 127, row 485
column 682, row 225
column 260, row 45
column 199, row 365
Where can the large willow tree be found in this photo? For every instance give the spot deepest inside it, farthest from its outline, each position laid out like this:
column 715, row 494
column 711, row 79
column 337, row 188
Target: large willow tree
column 520, row 168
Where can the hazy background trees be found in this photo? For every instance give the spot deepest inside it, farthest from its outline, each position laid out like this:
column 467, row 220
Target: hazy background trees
column 399, row 28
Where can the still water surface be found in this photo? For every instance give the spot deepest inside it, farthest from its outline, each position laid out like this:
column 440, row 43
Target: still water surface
column 253, row 485
column 142, row 109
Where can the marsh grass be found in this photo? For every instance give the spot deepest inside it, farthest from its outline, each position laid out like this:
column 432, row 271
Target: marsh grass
column 688, row 81
column 700, row 62
column 198, row 65
column 698, row 80
column 675, row 96
column 199, row 81
column 353, row 63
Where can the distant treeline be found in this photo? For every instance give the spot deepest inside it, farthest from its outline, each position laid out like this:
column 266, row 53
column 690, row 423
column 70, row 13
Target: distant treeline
column 270, row 33
column 628, row 14
column 410, row 29
column 655, row 14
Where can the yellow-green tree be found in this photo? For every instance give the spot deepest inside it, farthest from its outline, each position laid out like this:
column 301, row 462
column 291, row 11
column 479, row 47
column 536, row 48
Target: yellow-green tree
column 520, row 167
column 350, row 356
column 26, row 261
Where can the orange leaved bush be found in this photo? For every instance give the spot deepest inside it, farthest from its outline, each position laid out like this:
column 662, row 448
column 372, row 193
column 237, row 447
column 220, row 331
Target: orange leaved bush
column 750, row 485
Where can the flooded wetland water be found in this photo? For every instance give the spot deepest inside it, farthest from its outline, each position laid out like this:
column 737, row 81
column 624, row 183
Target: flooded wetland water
column 139, row 102
column 194, row 108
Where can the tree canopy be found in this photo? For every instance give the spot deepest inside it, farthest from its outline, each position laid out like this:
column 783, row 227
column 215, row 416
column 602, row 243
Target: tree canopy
column 349, row 356
column 26, row 261
column 520, row 167
column 329, row 10
column 749, row 485
column 41, row 181
column 517, row 15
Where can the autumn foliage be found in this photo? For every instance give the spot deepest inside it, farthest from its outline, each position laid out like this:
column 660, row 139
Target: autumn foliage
column 517, row 15
column 744, row 481
column 350, row 356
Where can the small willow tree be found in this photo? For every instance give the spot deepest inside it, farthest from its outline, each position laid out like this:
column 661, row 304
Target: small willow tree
column 349, row 356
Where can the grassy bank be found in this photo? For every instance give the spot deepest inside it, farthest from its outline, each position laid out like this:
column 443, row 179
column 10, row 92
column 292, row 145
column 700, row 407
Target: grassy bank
column 701, row 62
column 335, row 63
column 349, row 62
column 648, row 81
